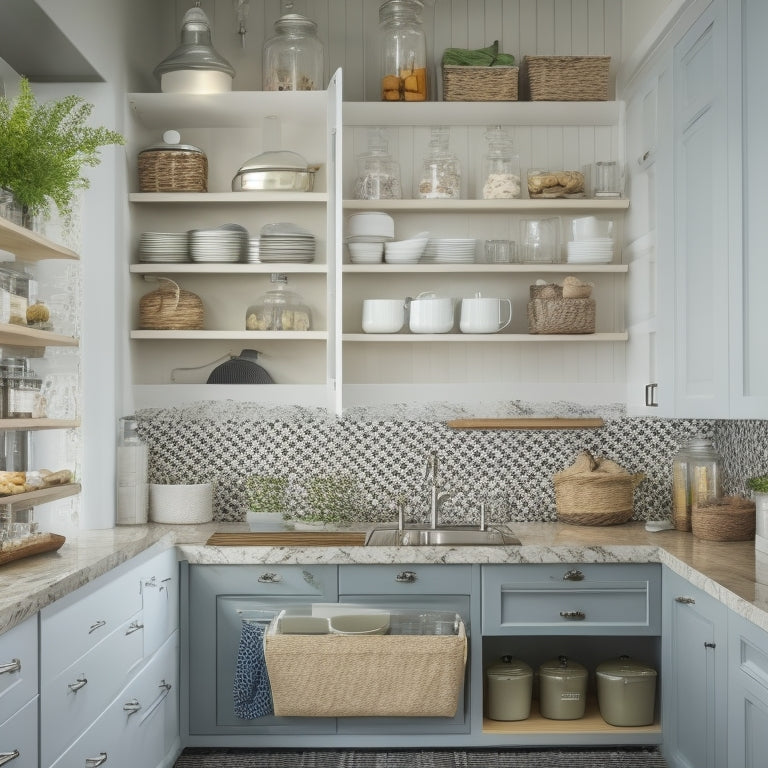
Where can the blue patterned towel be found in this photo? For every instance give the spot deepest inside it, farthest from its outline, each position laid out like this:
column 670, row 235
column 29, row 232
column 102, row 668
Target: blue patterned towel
column 251, row 692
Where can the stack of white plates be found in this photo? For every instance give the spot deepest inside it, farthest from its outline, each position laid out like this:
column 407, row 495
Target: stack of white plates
column 217, row 246
column 405, row 251
column 450, row 250
column 598, row 250
column 164, row 247
column 252, row 257
column 287, row 248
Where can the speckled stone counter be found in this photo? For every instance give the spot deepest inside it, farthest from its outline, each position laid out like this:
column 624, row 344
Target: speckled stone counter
column 728, row 571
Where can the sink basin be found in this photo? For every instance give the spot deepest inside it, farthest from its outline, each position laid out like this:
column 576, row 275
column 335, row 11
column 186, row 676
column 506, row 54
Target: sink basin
column 445, row 536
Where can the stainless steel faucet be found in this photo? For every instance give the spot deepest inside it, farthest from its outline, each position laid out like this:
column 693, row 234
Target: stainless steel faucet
column 437, row 496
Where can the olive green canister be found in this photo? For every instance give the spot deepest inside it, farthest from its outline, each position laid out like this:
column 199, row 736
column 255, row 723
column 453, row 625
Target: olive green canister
column 626, row 692
column 510, row 684
column 562, row 689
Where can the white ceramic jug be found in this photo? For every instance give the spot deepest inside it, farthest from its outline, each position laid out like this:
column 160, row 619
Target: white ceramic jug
column 430, row 313
column 482, row 314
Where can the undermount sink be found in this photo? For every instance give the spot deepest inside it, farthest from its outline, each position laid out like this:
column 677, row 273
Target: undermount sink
column 444, row 536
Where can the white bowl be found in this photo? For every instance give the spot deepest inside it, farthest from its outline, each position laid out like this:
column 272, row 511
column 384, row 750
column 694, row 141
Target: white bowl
column 366, row 252
column 360, row 624
column 371, row 224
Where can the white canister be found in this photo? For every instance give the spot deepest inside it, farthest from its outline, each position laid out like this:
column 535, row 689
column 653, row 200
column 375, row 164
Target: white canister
column 482, row 314
column 430, row 313
column 383, row 315
column 181, row 504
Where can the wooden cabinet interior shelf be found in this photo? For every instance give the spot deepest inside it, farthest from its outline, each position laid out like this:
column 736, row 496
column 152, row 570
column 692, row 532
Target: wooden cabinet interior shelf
column 41, row 496
column 29, row 246
column 521, row 205
column 22, row 336
column 229, row 269
column 492, row 337
column 483, row 268
column 232, row 335
column 36, row 424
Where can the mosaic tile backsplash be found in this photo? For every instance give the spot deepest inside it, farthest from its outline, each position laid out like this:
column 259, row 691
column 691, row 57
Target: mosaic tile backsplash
column 362, row 463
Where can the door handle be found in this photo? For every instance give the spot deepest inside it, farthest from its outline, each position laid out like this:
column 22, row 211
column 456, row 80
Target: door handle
column 93, row 762
column 12, row 666
column 573, row 615
column 96, row 625
column 270, row 578
column 134, row 626
column 78, row 684
column 573, row 575
column 685, row 600
column 6, row 757
column 406, row 577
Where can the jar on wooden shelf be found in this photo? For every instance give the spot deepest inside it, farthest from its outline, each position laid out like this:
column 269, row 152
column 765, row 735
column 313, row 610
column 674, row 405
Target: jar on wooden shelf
column 293, row 56
column 500, row 167
column 378, row 175
column 440, row 173
column 402, row 51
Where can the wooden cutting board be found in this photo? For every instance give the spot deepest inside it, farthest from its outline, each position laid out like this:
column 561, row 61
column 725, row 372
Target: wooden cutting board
column 32, row 545
column 526, row 423
column 289, row 539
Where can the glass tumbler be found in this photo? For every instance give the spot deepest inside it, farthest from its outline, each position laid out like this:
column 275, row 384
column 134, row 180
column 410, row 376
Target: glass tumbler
column 500, row 251
column 540, row 241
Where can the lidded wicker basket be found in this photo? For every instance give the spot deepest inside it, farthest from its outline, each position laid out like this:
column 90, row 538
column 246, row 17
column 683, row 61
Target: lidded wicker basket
column 731, row 518
column 549, row 312
column 170, row 307
column 173, row 167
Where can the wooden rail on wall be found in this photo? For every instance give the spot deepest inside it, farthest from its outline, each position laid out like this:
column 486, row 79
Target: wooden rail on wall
column 526, row 423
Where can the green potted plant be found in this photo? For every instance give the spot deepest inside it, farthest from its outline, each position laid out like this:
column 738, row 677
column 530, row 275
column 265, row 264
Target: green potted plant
column 331, row 500
column 267, row 501
column 44, row 148
column 759, row 487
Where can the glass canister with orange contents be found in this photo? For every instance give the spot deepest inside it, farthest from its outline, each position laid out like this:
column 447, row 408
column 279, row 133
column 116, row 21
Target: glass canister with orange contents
column 403, row 51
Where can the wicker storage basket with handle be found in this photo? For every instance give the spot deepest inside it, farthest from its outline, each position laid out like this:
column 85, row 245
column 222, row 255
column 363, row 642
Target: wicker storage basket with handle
column 595, row 492
column 172, row 167
column 169, row 307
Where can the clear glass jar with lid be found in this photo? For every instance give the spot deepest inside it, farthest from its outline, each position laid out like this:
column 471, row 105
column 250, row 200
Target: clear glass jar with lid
column 500, row 167
column 378, row 175
column 440, row 175
column 279, row 309
column 22, row 390
column 293, row 56
column 402, row 51
column 696, row 478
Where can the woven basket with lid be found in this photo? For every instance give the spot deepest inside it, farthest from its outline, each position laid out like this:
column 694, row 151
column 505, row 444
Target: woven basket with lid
column 170, row 307
column 172, row 167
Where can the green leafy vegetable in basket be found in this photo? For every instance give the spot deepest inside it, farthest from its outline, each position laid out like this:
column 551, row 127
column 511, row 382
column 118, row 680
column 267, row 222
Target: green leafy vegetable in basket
column 480, row 57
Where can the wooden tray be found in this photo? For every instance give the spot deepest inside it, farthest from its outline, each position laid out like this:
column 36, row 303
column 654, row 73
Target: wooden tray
column 530, row 423
column 31, row 545
column 289, row 539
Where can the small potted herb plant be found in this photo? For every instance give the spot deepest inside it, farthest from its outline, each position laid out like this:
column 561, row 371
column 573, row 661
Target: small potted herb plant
column 267, row 502
column 43, row 150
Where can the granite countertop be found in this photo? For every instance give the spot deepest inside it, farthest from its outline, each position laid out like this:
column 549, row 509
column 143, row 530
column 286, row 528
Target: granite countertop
column 729, row 571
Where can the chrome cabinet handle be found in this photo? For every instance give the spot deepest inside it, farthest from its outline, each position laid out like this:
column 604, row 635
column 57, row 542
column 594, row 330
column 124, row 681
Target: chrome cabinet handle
column 710, row 645
column 685, row 600
column 134, row 626
column 93, row 762
column 165, row 690
column 6, row 757
column 573, row 615
column 270, row 578
column 406, row 577
column 131, row 706
column 98, row 625
column 573, row 575
column 12, row 666
column 78, row 684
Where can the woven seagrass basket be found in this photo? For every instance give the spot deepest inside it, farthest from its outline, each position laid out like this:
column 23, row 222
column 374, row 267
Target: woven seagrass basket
column 731, row 518
column 170, row 308
column 366, row 675
column 595, row 498
column 173, row 170
column 559, row 315
column 565, row 78
column 480, row 83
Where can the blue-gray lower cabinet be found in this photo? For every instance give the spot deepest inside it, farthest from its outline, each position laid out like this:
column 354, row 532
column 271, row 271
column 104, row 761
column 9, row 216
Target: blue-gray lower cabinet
column 747, row 694
column 695, row 662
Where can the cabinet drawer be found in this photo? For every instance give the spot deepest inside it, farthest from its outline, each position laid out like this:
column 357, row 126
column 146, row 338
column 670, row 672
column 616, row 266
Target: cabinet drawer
column 571, row 599
column 72, row 700
column 18, row 667
column 19, row 734
column 315, row 582
column 159, row 599
column 405, row 579
column 72, row 626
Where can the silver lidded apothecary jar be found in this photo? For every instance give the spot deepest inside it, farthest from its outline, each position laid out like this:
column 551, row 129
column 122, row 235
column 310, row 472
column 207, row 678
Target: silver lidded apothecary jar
column 293, row 57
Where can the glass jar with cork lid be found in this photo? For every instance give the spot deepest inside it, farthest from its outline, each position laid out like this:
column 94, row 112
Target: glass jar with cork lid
column 696, row 478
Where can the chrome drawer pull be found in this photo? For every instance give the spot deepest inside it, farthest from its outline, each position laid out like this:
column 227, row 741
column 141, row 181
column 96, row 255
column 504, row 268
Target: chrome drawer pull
column 709, row 645
column 165, row 690
column 12, row 666
column 131, row 706
column 573, row 615
column 6, row 757
column 406, row 577
column 134, row 626
column 93, row 762
column 98, row 625
column 270, row 578
column 685, row 600
column 573, row 575
column 78, row 684
column 151, row 582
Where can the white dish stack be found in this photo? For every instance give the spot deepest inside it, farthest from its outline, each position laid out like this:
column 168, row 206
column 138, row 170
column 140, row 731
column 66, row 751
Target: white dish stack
column 368, row 232
column 592, row 241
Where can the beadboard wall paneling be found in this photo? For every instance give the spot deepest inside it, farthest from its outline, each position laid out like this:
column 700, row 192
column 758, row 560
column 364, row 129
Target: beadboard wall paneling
column 348, row 28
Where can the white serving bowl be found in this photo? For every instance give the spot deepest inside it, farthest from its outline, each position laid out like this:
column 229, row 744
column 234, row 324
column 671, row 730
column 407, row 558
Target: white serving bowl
column 366, row 253
column 371, row 224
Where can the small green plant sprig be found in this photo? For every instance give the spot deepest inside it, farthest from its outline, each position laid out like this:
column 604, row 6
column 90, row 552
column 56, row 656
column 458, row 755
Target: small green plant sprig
column 44, row 147
column 267, row 494
column 759, row 484
column 332, row 499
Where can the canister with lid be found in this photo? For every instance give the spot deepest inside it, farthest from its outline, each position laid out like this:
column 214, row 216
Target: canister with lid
column 402, row 51
column 626, row 692
column 293, row 56
column 696, row 478
column 279, row 309
column 170, row 166
column 510, row 683
column 562, row 689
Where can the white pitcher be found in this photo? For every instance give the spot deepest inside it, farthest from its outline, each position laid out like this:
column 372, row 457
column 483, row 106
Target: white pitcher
column 482, row 314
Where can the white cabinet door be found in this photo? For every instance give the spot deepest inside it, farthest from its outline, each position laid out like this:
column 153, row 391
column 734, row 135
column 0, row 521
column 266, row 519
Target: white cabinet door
column 701, row 218
column 18, row 738
column 160, row 599
column 18, row 667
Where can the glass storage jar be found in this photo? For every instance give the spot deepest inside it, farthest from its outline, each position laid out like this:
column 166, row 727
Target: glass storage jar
column 500, row 167
column 696, row 478
column 279, row 309
column 441, row 171
column 378, row 175
column 293, row 56
column 22, row 390
column 402, row 51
